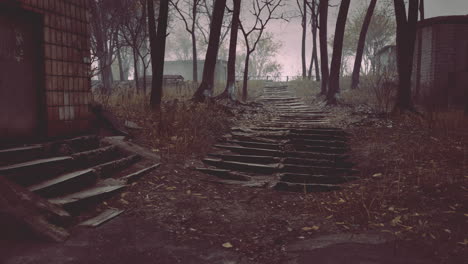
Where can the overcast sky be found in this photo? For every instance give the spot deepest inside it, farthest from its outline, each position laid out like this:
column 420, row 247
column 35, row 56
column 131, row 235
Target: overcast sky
column 290, row 33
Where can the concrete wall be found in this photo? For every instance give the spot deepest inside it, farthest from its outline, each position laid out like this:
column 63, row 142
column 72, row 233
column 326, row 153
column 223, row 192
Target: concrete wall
column 65, row 46
column 444, row 62
column 185, row 68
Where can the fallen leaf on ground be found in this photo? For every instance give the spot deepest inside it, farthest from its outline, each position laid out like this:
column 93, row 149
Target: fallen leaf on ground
column 307, row 228
column 227, row 245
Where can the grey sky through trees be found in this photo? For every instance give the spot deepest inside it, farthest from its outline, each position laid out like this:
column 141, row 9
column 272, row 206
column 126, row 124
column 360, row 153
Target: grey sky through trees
column 290, row 33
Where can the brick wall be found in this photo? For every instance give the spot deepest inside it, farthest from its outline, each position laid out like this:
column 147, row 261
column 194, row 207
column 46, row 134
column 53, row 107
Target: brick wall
column 66, row 50
column 443, row 57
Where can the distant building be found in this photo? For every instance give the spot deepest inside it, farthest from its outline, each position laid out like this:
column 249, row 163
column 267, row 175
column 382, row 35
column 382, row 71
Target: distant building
column 440, row 75
column 386, row 60
column 44, row 67
column 185, row 68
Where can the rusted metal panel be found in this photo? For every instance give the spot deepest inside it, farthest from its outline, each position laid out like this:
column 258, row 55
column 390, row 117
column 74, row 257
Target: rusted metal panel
column 20, row 80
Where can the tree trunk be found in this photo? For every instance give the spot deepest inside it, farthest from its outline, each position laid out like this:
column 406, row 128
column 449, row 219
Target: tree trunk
column 314, row 59
column 406, row 36
column 304, row 35
column 361, row 44
column 419, row 54
column 229, row 92
column 194, row 56
column 135, row 75
column 334, row 86
column 194, row 43
column 323, row 17
column 246, row 77
column 120, row 62
column 158, row 48
column 207, row 85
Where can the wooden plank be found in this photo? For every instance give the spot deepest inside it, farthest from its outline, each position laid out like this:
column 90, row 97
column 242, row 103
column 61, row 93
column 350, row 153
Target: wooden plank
column 60, row 179
column 34, row 163
column 93, row 192
column 134, row 176
column 101, row 218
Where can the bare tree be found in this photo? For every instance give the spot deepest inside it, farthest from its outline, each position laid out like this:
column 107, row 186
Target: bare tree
column 229, row 92
column 104, row 21
column 303, row 11
column 323, row 21
column 190, row 19
column 158, row 49
column 406, row 37
column 263, row 11
column 314, row 26
column 335, row 67
column 361, row 44
column 207, row 86
column 203, row 24
column 134, row 33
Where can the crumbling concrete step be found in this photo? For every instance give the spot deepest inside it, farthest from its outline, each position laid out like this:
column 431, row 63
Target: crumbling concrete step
column 101, row 218
column 95, row 156
column 34, row 164
column 136, row 175
column 273, row 146
column 247, row 158
column 252, row 151
column 243, row 166
column 106, row 188
column 65, row 183
column 106, row 170
column 21, row 154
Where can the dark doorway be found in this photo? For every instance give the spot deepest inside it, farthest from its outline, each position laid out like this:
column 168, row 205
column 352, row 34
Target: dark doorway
column 21, row 71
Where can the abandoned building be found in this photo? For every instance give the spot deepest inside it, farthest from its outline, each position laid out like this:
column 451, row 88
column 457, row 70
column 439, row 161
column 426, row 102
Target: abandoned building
column 440, row 76
column 44, row 62
column 185, row 69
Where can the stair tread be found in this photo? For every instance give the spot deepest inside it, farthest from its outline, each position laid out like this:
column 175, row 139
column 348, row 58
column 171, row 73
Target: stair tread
column 88, row 193
column 34, row 163
column 102, row 217
column 17, row 149
column 62, row 178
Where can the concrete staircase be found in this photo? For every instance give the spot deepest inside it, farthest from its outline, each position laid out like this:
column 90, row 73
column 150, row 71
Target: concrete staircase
column 295, row 150
column 76, row 174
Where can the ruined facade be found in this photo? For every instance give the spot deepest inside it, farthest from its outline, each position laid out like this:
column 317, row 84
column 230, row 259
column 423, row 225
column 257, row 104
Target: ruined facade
column 440, row 76
column 44, row 69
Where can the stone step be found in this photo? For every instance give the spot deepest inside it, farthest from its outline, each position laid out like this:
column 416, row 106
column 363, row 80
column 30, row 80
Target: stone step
column 37, row 165
column 243, row 166
column 136, row 175
column 102, row 217
column 104, row 188
column 247, row 158
column 65, row 183
column 21, row 154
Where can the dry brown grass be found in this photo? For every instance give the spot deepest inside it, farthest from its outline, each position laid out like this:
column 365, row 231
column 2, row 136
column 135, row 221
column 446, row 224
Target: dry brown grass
column 181, row 127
